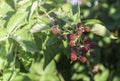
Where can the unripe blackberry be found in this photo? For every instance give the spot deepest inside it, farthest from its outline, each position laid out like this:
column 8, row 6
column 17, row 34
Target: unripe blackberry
column 93, row 53
column 93, row 45
column 79, row 25
column 84, row 50
column 73, row 50
column 55, row 22
column 86, row 40
column 62, row 37
column 87, row 29
column 73, row 57
column 55, row 30
column 73, row 36
column 72, row 43
column 79, row 31
column 68, row 35
column 83, row 59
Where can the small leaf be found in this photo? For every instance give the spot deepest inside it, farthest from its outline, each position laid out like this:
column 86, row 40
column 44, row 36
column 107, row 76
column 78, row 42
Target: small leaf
column 102, row 31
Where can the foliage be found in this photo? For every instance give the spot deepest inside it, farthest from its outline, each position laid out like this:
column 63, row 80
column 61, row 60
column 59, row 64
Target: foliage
column 30, row 52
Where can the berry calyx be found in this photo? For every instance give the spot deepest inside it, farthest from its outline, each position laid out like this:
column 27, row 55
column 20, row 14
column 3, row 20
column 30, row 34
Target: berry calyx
column 87, row 29
column 73, row 57
column 83, row 59
column 55, row 30
column 73, row 36
column 72, row 43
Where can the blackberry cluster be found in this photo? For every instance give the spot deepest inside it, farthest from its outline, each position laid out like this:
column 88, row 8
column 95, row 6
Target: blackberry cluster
column 79, row 46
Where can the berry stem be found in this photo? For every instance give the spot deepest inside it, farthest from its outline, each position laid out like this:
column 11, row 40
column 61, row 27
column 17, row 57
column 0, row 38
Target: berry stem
column 90, row 69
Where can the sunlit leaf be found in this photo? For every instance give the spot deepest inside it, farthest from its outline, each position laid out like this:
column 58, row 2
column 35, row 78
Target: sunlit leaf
column 102, row 31
column 92, row 21
column 3, row 34
column 33, row 7
column 25, row 39
column 15, row 20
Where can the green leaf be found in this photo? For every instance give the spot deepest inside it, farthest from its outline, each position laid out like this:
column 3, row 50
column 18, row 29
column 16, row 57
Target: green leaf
column 26, row 39
column 33, row 7
column 15, row 20
column 102, row 76
column 92, row 21
column 102, row 31
column 26, row 59
column 52, row 40
column 38, row 27
column 47, row 74
column 11, row 3
column 3, row 34
column 21, row 77
column 3, row 53
column 62, row 16
column 65, row 48
column 50, row 53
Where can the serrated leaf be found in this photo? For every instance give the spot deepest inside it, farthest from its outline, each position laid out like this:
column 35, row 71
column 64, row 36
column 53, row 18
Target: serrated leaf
column 15, row 20
column 26, row 39
column 102, row 31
